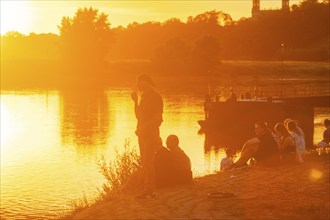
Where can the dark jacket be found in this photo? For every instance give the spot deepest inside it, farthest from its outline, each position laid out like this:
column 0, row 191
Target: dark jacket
column 268, row 152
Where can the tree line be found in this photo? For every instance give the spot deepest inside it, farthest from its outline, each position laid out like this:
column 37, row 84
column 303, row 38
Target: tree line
column 196, row 45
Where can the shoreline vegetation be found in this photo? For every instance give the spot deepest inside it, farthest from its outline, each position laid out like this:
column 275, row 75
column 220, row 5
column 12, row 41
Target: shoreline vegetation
column 296, row 191
column 48, row 74
column 208, row 50
column 89, row 54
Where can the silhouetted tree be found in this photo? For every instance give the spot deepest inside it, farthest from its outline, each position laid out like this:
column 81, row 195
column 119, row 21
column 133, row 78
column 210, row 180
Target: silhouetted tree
column 206, row 55
column 173, row 57
column 216, row 18
column 86, row 37
column 85, row 41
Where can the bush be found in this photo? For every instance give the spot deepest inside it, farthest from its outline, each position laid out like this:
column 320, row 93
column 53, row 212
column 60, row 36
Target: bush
column 117, row 172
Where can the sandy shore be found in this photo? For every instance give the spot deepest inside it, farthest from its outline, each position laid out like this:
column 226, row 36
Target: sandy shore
column 290, row 192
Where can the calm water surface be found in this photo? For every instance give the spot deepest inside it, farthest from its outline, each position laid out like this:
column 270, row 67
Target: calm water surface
column 51, row 142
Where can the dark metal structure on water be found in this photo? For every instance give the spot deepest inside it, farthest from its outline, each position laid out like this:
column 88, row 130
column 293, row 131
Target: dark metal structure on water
column 230, row 123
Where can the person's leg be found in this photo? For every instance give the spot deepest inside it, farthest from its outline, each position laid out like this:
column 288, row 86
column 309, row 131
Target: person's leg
column 134, row 182
column 148, row 151
column 142, row 146
column 248, row 151
column 149, row 171
column 299, row 157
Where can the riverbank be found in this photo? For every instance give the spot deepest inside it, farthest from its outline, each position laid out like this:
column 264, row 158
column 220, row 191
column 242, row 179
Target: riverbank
column 48, row 75
column 288, row 192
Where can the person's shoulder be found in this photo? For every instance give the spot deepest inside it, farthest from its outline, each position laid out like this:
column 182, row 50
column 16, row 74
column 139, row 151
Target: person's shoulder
column 163, row 154
column 223, row 160
column 294, row 134
column 180, row 151
column 254, row 140
column 163, row 150
column 289, row 137
column 154, row 95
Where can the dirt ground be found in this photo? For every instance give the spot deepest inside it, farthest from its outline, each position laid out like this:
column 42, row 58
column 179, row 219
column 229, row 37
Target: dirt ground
column 297, row 191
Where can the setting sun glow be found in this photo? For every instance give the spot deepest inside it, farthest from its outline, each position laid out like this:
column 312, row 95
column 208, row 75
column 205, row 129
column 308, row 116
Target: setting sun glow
column 315, row 174
column 16, row 16
column 45, row 16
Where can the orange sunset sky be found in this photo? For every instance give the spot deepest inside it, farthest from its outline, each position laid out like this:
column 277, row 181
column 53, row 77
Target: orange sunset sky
column 43, row 16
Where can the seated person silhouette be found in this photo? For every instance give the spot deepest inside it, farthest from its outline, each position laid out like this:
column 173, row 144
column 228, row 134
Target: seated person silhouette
column 172, row 167
column 326, row 135
column 164, row 166
column 227, row 162
column 182, row 164
column 263, row 148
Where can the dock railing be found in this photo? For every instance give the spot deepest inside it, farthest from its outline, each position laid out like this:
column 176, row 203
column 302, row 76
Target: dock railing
column 274, row 91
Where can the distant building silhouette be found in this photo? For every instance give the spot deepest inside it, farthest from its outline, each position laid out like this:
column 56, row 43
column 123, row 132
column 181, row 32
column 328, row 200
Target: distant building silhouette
column 256, row 12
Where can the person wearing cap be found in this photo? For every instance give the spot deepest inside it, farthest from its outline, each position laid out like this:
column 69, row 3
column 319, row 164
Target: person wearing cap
column 148, row 112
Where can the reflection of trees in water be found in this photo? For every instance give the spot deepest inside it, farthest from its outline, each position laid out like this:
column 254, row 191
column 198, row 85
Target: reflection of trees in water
column 212, row 158
column 84, row 118
column 215, row 140
column 84, row 41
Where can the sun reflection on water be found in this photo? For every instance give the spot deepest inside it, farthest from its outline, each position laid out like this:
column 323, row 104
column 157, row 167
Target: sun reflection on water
column 8, row 129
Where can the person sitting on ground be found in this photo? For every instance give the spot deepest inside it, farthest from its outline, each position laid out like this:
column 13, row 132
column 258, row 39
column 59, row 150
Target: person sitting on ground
column 286, row 143
column 286, row 121
column 164, row 166
column 233, row 96
column 172, row 167
column 299, row 140
column 227, row 162
column 182, row 173
column 263, row 148
column 326, row 135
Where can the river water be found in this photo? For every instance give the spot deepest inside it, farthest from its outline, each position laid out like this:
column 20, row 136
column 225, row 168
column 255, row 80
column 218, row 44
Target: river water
column 51, row 142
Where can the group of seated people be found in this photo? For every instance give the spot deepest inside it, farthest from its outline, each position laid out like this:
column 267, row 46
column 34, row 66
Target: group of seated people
column 286, row 145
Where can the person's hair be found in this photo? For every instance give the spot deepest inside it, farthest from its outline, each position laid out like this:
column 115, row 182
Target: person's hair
column 280, row 127
column 286, row 121
column 230, row 152
column 263, row 125
column 146, row 78
column 174, row 139
column 327, row 122
column 292, row 126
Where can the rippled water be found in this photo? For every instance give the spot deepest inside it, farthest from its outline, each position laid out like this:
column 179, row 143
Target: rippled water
column 51, row 142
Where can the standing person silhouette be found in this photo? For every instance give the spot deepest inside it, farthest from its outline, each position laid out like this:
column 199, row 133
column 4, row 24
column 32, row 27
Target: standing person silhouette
column 148, row 112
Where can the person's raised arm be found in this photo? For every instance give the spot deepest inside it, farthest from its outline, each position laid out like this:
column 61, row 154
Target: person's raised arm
column 134, row 97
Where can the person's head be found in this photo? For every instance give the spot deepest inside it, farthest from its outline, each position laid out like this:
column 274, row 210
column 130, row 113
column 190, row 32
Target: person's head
column 260, row 128
column 286, row 121
column 144, row 82
column 326, row 123
column 292, row 126
column 172, row 141
column 281, row 130
column 230, row 152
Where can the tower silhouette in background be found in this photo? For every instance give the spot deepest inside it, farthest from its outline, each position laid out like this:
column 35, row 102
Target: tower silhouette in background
column 257, row 12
